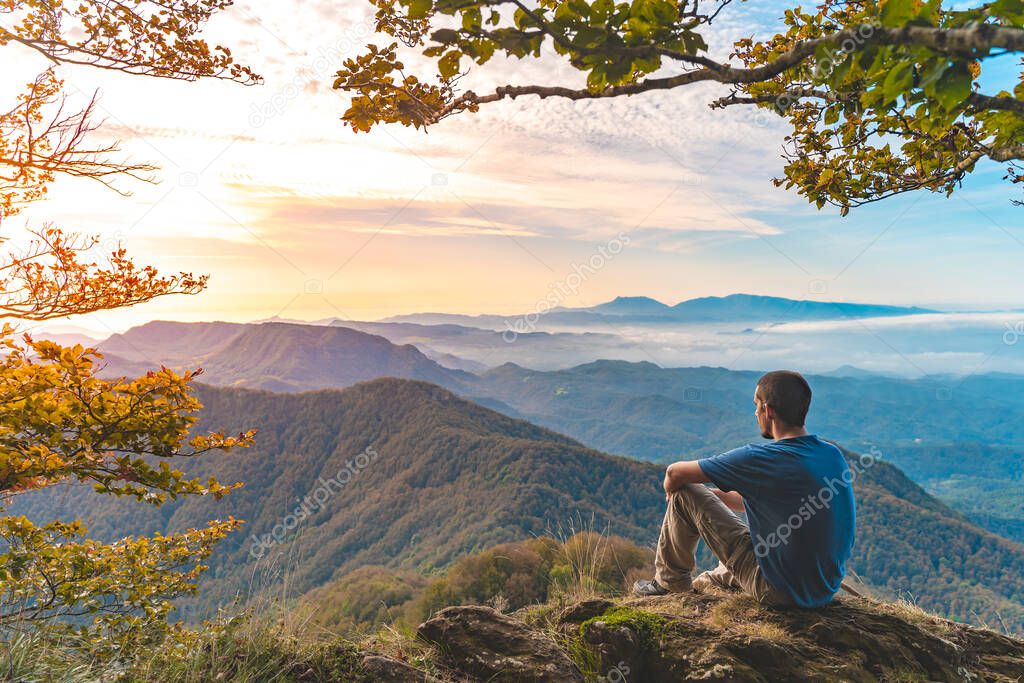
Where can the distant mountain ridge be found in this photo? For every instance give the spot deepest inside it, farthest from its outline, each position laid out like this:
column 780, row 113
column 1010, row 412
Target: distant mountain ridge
column 450, row 347
column 641, row 309
column 170, row 342
column 749, row 306
column 273, row 356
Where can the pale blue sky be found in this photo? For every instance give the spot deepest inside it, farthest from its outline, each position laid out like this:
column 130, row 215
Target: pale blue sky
column 294, row 215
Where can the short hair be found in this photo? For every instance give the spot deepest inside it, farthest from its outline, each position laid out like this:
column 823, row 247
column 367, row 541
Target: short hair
column 788, row 393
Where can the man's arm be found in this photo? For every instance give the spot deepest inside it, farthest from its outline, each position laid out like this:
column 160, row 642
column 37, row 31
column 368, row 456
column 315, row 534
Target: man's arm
column 684, row 472
column 689, row 472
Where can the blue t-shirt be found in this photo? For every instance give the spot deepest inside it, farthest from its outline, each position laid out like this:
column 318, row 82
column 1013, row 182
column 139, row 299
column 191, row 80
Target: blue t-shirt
column 800, row 508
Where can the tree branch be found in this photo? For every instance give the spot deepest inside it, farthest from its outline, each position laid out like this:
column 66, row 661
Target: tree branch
column 955, row 42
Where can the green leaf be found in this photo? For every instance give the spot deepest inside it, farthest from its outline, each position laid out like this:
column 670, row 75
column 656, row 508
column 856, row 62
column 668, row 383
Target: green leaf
column 471, row 19
column 931, row 75
column 448, row 65
column 590, row 37
column 693, row 43
column 897, row 13
column 898, row 80
column 831, row 115
column 839, row 72
column 618, row 70
column 954, row 86
column 600, row 9
column 445, row 35
column 665, row 12
column 484, row 50
column 418, row 9
column 580, row 7
column 1012, row 10
column 825, row 177
column 867, row 57
column 648, row 65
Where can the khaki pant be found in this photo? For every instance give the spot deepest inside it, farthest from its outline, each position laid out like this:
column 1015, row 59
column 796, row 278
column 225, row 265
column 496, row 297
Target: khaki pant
column 694, row 512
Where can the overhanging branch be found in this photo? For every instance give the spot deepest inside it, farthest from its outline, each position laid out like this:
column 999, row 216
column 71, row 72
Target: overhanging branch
column 959, row 42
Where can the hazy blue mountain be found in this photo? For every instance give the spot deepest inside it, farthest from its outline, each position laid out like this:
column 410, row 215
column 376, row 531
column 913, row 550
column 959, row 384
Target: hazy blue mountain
column 740, row 332
column 631, row 306
column 701, row 410
column 171, row 343
column 485, row 348
column 485, row 321
column 275, row 356
column 451, row 361
column 456, row 347
column 284, row 357
column 736, row 308
column 850, row 371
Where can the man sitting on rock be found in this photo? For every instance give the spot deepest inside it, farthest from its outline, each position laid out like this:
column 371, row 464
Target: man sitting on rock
column 798, row 499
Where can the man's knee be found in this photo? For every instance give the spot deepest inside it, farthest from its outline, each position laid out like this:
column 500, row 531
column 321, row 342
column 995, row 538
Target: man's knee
column 690, row 490
column 690, row 494
column 690, row 502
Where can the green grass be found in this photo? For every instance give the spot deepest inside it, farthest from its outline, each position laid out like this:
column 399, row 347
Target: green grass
column 41, row 659
column 240, row 649
column 573, row 644
column 649, row 627
column 250, row 649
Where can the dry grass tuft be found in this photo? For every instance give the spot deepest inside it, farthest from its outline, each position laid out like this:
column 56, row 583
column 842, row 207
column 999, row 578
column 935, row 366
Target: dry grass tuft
column 741, row 615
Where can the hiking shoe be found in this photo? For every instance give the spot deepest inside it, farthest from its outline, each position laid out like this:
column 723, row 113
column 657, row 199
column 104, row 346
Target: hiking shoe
column 647, row 589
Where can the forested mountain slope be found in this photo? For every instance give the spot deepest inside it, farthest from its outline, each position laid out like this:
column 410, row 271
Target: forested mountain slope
column 431, row 477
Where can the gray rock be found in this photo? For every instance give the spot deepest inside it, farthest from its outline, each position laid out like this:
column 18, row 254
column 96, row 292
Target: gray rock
column 581, row 611
column 484, row 643
column 382, row 669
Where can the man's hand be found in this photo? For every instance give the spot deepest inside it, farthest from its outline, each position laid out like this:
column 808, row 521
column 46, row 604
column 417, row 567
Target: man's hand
column 683, row 472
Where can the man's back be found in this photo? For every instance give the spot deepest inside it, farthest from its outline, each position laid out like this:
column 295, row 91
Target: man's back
column 800, row 509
